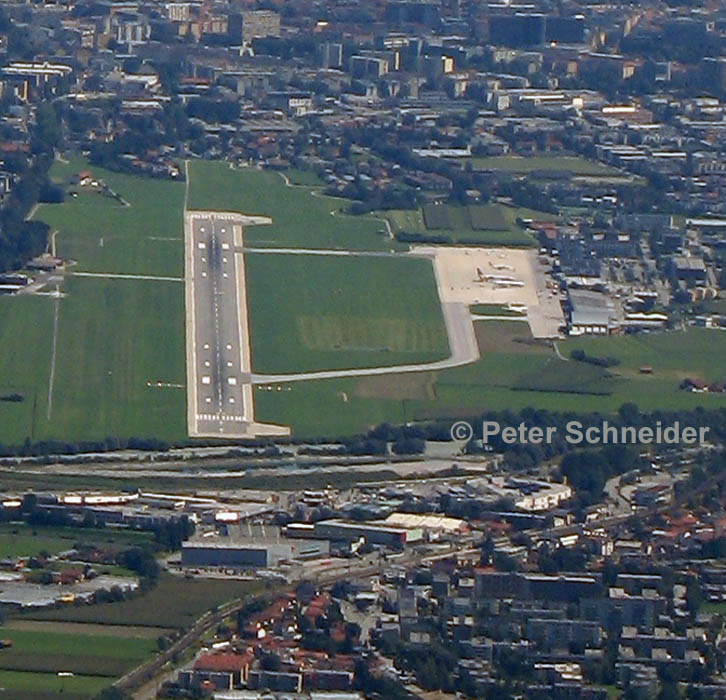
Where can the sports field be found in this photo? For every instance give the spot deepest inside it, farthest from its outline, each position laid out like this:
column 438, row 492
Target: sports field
column 301, row 217
column 312, row 312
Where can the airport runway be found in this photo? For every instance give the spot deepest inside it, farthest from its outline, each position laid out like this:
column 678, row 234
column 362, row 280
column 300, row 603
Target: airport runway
column 219, row 391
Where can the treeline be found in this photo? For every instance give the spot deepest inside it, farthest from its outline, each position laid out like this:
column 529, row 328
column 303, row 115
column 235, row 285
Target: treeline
column 370, row 198
column 21, row 240
column 213, row 111
column 168, row 535
column 144, row 133
column 587, row 471
column 582, row 356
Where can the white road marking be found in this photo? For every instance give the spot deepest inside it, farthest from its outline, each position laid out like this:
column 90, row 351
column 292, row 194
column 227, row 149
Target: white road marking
column 120, row 276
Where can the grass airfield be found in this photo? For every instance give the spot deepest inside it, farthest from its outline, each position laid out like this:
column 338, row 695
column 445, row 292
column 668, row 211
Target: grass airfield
column 119, row 367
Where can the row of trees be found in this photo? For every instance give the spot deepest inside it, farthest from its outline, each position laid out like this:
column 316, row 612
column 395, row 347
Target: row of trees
column 20, row 239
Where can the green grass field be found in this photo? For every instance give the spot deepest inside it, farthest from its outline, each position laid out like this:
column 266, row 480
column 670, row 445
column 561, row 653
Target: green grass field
column 116, row 337
column 483, row 224
column 21, row 539
column 304, row 178
column 495, row 310
column 325, row 312
column 26, row 328
column 102, row 235
column 174, row 602
column 513, row 373
column 48, row 686
column 43, row 651
column 517, row 164
column 697, row 352
column 300, row 218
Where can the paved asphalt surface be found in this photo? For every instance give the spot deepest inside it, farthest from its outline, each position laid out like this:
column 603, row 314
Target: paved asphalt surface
column 220, row 406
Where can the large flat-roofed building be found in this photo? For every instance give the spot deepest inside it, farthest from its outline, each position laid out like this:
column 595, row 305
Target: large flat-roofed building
column 690, row 269
column 591, row 313
column 253, row 553
column 387, row 535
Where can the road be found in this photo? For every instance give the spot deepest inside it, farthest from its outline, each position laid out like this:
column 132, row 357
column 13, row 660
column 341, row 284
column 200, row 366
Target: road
column 219, row 391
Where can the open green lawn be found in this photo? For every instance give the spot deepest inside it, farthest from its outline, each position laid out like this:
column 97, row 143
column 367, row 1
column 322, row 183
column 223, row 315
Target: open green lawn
column 174, row 602
column 480, row 224
column 21, row 539
column 102, row 235
column 513, row 373
column 517, row 164
column 20, row 685
column 319, row 312
column 304, row 178
column 117, row 338
column 50, row 652
column 300, row 218
column 26, row 329
column 697, row 352
column 495, row 310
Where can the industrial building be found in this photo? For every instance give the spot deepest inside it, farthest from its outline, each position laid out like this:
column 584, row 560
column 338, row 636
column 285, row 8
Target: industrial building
column 373, row 533
column 591, row 313
column 433, row 526
column 257, row 552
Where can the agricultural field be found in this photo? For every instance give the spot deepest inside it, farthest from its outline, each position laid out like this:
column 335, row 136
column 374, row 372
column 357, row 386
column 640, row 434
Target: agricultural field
column 173, row 602
column 301, row 218
column 518, row 164
column 342, row 312
column 47, row 651
column 20, row 685
column 99, row 643
column 90, row 658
